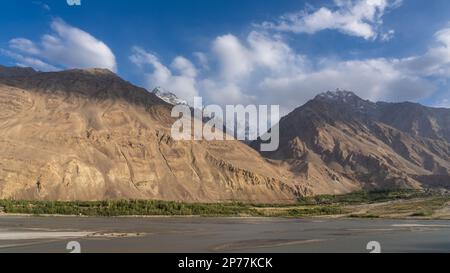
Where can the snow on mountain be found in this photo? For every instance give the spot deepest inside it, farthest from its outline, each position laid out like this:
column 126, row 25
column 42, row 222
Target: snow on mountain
column 168, row 97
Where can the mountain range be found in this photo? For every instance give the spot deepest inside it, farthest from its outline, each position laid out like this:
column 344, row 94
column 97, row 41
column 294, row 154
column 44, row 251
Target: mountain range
column 90, row 135
column 340, row 137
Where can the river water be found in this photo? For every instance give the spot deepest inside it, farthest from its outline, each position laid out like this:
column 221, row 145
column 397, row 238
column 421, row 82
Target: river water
column 200, row 235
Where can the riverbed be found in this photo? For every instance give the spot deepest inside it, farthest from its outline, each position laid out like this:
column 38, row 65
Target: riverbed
column 26, row 234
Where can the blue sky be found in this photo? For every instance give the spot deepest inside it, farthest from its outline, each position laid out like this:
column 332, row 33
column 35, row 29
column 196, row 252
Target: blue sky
column 251, row 51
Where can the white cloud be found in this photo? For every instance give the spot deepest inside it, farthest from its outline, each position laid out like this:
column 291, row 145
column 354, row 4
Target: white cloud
column 233, row 56
column 272, row 53
column 222, row 93
column 24, row 61
column 444, row 103
column 387, row 36
column 264, row 69
column 238, row 66
column 374, row 79
column 42, row 5
column 183, row 84
column 361, row 18
column 184, row 67
column 24, row 45
column 274, row 73
column 202, row 59
column 66, row 47
column 260, row 53
column 436, row 61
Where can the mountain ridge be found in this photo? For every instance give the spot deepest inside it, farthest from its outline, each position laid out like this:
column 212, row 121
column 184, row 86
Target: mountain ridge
column 87, row 134
column 365, row 141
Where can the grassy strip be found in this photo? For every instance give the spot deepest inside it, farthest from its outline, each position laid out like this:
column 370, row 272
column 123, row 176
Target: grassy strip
column 308, row 206
column 123, row 208
column 363, row 197
column 413, row 208
column 162, row 208
column 301, row 211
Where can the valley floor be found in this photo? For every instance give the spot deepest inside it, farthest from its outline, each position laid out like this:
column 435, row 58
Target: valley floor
column 400, row 221
column 401, row 204
column 19, row 234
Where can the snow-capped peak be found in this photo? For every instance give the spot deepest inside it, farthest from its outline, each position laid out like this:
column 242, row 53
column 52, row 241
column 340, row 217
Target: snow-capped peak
column 347, row 98
column 338, row 95
column 168, row 97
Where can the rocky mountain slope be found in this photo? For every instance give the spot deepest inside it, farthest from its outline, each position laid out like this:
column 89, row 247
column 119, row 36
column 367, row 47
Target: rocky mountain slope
column 89, row 135
column 340, row 137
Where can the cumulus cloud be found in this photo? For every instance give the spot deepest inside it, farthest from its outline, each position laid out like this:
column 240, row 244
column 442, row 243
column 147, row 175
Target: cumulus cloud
column 273, row 73
column 24, row 61
column 259, row 53
column 180, row 78
column 436, row 61
column 184, row 67
column 263, row 69
column 222, row 92
column 65, row 47
column 390, row 79
column 360, row 18
column 444, row 103
column 24, row 45
column 374, row 79
column 238, row 64
column 241, row 65
column 233, row 56
column 202, row 59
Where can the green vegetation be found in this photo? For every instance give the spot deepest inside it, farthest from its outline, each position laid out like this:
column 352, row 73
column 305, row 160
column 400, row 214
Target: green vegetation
column 421, row 207
column 364, row 215
column 411, row 203
column 422, row 214
column 160, row 208
column 316, row 211
column 123, row 208
column 363, row 197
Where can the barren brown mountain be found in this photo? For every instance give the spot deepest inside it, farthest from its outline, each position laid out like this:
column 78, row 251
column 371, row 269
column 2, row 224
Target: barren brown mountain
column 89, row 135
column 341, row 137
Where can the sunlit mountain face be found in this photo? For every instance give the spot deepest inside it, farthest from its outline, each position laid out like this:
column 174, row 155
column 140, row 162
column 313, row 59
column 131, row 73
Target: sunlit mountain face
column 224, row 126
column 359, row 91
column 114, row 140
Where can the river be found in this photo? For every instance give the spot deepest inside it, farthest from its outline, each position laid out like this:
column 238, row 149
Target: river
column 20, row 234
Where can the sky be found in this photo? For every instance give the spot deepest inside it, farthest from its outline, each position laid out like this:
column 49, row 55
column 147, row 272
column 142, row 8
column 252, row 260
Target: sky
column 280, row 52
